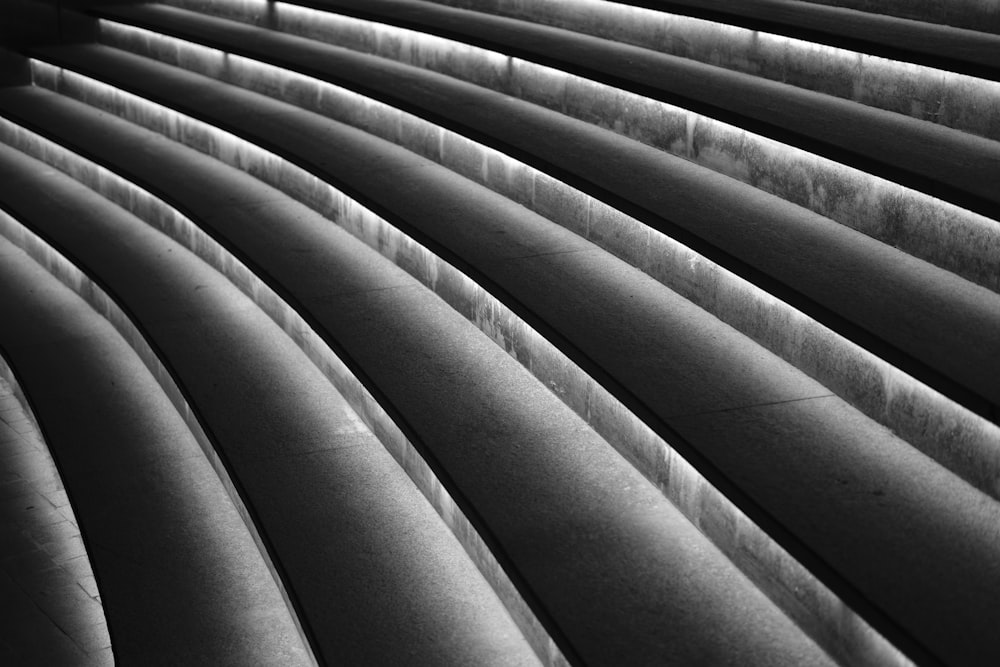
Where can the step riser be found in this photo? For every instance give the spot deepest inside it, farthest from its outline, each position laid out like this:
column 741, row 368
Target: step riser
column 947, row 432
column 171, row 222
column 951, row 237
column 796, row 591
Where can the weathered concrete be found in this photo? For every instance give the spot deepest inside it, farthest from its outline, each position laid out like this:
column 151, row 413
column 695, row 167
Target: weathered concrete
column 352, row 506
column 544, row 545
column 723, row 214
column 408, row 177
column 399, row 188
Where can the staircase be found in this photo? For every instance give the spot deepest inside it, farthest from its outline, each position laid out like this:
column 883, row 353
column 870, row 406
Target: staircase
column 469, row 332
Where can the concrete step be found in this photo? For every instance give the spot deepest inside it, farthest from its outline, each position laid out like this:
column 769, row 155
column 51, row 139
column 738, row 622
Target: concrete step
column 531, row 238
column 831, row 275
column 885, row 331
column 842, row 264
column 352, row 505
column 178, row 574
column 406, row 341
column 614, row 316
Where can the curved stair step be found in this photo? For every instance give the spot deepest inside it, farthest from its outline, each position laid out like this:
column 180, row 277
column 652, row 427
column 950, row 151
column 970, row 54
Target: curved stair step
column 969, row 49
column 535, row 265
column 536, row 476
column 179, row 576
column 352, row 505
column 812, row 266
column 833, row 107
column 843, row 262
column 960, row 240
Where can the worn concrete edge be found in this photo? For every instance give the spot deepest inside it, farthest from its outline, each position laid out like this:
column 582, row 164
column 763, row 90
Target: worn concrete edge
column 183, row 230
column 732, row 289
column 59, row 262
column 643, row 450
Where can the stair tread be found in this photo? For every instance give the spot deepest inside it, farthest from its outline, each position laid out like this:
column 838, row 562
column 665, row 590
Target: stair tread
column 323, row 488
column 152, row 511
column 613, row 312
column 564, row 509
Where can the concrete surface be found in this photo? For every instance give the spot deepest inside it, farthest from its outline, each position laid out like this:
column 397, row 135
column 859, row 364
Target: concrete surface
column 779, row 437
column 952, row 165
column 964, row 50
column 178, row 575
column 300, row 429
column 407, row 349
column 722, row 212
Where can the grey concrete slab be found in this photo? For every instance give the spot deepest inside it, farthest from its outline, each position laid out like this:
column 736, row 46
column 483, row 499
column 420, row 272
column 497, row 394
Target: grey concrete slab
column 179, row 576
column 547, row 489
column 270, row 409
